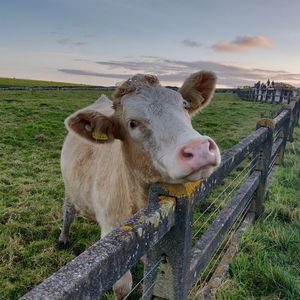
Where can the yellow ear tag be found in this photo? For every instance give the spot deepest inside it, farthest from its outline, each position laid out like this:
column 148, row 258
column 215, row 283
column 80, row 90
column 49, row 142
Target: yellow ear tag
column 99, row 136
column 196, row 103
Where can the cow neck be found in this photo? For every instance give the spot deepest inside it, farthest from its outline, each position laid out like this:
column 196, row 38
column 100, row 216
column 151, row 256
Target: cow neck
column 135, row 179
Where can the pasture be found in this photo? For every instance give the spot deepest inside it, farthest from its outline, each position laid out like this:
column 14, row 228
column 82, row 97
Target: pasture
column 31, row 189
column 268, row 263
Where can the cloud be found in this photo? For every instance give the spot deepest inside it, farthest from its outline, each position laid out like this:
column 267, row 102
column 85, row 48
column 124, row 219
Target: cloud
column 175, row 71
column 150, row 65
column 79, row 43
column 63, row 41
column 94, row 74
column 81, row 59
column 190, row 43
column 52, row 32
column 57, row 31
column 243, row 44
column 66, row 41
column 90, row 35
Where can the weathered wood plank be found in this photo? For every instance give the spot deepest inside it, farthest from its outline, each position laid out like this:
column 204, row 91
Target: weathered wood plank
column 293, row 115
column 211, row 239
column 170, row 280
column 297, row 112
column 263, row 165
column 93, row 272
column 230, row 160
column 292, row 104
column 280, row 119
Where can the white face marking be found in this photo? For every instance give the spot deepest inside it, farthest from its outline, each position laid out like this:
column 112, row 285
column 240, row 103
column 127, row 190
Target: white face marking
column 164, row 127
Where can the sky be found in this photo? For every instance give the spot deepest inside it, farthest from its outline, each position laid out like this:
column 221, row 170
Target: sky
column 104, row 42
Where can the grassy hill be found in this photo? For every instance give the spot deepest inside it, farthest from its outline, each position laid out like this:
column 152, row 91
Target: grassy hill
column 13, row 82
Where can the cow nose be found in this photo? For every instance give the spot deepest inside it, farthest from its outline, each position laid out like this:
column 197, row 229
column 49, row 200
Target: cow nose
column 199, row 154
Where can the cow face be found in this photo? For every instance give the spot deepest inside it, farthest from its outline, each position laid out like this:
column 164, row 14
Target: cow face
column 154, row 124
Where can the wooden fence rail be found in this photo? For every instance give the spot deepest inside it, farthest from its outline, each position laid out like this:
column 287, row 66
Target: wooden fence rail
column 162, row 232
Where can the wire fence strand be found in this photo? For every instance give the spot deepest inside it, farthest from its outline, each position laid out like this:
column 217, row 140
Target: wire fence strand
column 231, row 183
column 231, row 232
column 145, row 276
column 271, row 165
column 148, row 290
column 223, row 201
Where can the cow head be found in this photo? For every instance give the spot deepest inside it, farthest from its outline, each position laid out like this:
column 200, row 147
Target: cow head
column 154, row 125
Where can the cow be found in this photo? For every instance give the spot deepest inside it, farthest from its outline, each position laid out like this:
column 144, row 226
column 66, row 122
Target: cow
column 115, row 149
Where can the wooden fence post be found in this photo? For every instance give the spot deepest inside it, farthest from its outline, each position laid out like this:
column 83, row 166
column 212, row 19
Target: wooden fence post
column 263, row 164
column 293, row 115
column 253, row 95
column 284, row 134
column 297, row 111
column 172, row 253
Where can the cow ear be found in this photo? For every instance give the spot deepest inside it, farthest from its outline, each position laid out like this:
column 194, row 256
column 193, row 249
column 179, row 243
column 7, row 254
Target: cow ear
column 198, row 90
column 94, row 126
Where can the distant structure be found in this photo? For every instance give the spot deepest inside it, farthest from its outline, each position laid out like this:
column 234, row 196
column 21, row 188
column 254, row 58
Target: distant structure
column 278, row 92
column 270, row 92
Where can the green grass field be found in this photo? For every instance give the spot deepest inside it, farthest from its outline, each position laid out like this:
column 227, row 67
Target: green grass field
column 31, row 189
column 268, row 263
column 9, row 82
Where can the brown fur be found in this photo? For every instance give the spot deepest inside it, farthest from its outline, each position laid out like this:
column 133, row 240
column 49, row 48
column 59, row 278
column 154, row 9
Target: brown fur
column 198, row 90
column 134, row 84
column 98, row 123
column 136, row 159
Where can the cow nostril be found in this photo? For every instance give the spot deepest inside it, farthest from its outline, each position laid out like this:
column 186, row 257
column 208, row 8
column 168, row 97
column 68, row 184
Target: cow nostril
column 212, row 146
column 186, row 154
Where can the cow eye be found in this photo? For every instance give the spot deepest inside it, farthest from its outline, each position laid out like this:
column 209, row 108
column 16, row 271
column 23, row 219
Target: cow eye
column 134, row 124
column 186, row 104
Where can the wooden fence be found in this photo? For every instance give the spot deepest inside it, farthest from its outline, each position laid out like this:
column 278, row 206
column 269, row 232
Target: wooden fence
column 270, row 95
column 162, row 232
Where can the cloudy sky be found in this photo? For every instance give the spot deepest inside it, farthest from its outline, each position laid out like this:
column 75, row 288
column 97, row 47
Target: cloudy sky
column 103, row 42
